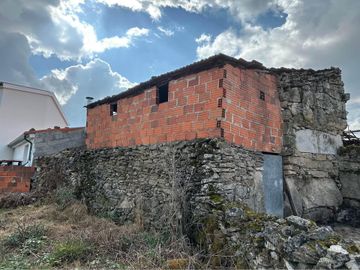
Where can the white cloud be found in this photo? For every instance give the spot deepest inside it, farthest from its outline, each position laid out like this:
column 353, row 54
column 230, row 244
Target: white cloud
column 54, row 28
column 316, row 34
column 166, row 32
column 14, row 54
column 154, row 12
column 242, row 9
column 50, row 27
column 204, row 38
column 115, row 42
column 73, row 84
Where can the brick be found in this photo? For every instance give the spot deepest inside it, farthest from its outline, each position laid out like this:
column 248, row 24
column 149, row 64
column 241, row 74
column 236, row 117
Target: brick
column 199, row 107
column 193, row 82
column 192, row 111
column 190, row 135
column 200, row 89
column 181, row 101
column 188, row 109
column 204, row 97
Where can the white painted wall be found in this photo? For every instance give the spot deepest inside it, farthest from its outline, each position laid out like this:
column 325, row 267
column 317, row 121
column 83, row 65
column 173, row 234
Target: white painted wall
column 23, row 108
column 21, row 152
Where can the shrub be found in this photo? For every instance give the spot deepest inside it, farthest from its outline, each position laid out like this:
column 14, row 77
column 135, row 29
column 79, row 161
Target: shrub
column 69, row 251
column 64, row 196
column 15, row 261
column 24, row 233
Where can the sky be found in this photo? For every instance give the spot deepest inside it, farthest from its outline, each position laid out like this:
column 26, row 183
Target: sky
column 98, row 48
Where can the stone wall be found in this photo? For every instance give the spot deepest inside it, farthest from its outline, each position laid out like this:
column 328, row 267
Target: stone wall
column 314, row 116
column 55, row 140
column 157, row 183
column 233, row 235
column 349, row 170
column 198, row 188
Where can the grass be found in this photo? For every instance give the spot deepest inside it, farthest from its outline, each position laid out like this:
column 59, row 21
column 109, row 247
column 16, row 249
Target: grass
column 53, row 235
column 25, row 234
column 64, row 197
column 69, row 251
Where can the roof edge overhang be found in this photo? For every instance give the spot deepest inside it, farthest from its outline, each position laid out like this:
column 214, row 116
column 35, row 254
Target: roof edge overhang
column 19, row 140
column 17, row 87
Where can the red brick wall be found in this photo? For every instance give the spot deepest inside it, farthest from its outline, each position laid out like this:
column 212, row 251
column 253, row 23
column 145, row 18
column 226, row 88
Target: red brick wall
column 15, row 178
column 196, row 108
column 190, row 113
column 249, row 120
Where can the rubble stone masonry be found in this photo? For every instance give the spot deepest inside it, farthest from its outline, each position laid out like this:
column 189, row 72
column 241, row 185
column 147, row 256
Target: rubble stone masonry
column 314, row 116
column 167, row 180
column 349, row 170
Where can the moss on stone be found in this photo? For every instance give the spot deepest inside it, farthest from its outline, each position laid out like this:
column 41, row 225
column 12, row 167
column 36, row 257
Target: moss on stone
column 333, row 240
column 349, row 149
column 353, row 249
column 241, row 263
column 216, row 198
column 255, row 226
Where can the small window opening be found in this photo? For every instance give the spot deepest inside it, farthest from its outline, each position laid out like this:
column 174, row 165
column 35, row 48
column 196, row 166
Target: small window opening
column 222, row 133
column 163, row 93
column 224, row 93
column 113, row 109
column 218, row 124
column 221, row 82
column 225, row 74
column 223, row 114
column 220, row 103
column 262, row 95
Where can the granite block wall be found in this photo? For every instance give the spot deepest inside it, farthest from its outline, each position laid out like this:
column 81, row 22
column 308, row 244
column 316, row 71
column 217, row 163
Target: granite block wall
column 314, row 116
column 349, row 173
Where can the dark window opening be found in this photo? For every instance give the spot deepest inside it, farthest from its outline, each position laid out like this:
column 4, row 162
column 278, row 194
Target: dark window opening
column 221, row 81
column 222, row 133
column 218, row 124
column 262, row 95
column 163, row 93
column 224, row 93
column 220, row 103
column 225, row 74
column 113, row 109
column 223, row 114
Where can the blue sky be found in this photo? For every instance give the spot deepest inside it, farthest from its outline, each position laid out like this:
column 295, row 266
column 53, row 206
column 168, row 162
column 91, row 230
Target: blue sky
column 98, row 48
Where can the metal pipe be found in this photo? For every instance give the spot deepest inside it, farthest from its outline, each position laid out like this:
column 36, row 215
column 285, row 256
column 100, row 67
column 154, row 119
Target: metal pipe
column 31, row 146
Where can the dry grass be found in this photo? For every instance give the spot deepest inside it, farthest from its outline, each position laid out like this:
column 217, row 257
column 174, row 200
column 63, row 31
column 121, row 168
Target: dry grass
column 106, row 244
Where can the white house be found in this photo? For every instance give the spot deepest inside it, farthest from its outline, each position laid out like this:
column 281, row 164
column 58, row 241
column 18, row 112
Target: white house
column 21, row 109
column 36, row 143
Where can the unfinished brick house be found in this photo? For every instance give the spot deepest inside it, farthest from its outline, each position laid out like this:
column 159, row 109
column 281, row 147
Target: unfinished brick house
column 282, row 131
column 217, row 97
